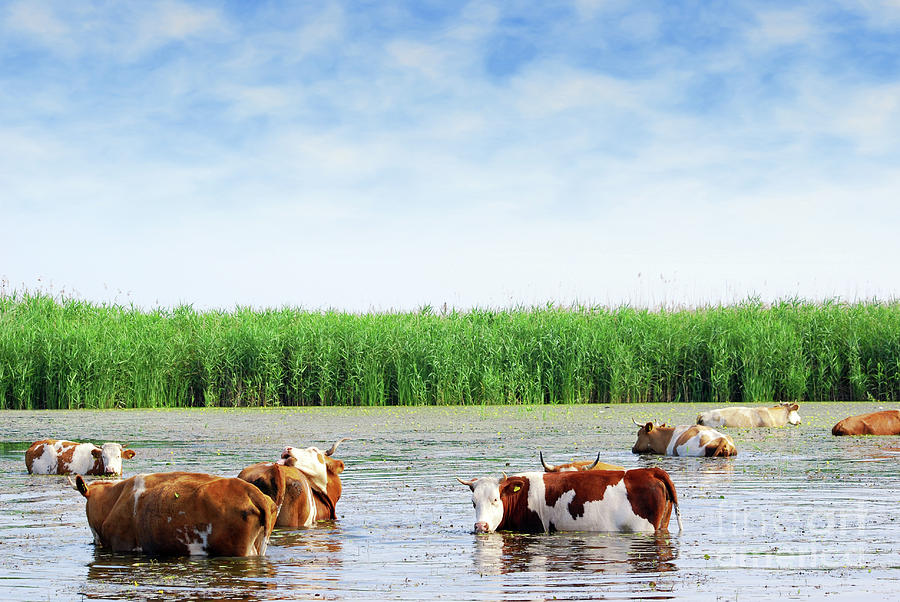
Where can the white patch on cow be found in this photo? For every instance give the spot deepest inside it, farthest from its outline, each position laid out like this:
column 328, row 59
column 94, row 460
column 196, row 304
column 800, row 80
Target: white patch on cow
column 793, row 417
column 82, row 459
column 693, row 446
column 612, row 513
column 111, row 454
column 196, row 541
column 311, row 462
column 313, row 511
column 258, row 546
column 486, row 498
column 46, row 461
column 96, row 537
column 138, row 489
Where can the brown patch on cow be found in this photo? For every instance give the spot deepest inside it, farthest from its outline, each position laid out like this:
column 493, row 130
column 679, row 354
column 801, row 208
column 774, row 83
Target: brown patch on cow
column 590, row 489
column 651, row 493
column 516, row 514
column 886, row 422
column 691, row 433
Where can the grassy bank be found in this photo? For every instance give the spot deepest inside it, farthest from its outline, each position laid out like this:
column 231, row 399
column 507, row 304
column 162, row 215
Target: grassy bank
column 72, row 354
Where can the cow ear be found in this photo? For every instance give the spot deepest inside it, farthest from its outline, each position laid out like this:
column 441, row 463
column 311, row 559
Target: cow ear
column 648, row 427
column 128, row 454
column 513, row 484
column 96, row 452
column 794, row 407
column 81, row 486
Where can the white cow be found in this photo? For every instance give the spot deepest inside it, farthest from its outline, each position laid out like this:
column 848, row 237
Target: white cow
column 740, row 417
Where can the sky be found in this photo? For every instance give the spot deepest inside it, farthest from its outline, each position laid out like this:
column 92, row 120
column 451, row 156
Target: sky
column 386, row 155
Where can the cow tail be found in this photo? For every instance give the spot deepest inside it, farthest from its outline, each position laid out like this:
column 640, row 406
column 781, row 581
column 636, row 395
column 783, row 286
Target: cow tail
column 672, row 496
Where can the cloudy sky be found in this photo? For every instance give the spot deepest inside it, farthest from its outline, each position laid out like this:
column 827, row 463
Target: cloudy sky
column 377, row 155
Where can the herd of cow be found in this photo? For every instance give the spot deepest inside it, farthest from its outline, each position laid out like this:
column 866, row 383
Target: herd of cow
column 180, row 513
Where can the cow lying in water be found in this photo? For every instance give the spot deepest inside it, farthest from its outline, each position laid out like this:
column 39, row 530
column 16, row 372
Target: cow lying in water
column 638, row 500
column 780, row 415
column 691, row 440
column 313, row 484
column 52, row 456
column 886, row 422
column 180, row 514
column 580, row 465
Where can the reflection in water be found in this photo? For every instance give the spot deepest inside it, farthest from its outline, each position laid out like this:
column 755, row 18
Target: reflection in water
column 614, row 553
column 298, row 562
column 150, row 578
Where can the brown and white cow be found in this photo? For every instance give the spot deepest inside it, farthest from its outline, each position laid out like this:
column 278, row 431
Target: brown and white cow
column 886, row 422
column 638, row 500
column 52, row 456
column 180, row 514
column 741, row 417
column 313, row 484
column 579, row 465
column 689, row 440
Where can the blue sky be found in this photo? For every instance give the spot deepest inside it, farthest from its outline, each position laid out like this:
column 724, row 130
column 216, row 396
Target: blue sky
column 386, row 155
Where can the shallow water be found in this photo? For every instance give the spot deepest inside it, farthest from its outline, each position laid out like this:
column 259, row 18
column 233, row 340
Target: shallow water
column 797, row 514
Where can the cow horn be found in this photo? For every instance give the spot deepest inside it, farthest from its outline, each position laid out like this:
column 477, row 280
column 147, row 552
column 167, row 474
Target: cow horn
column 636, row 422
column 547, row 467
column 470, row 483
column 505, row 476
column 71, row 482
column 335, row 446
column 597, row 461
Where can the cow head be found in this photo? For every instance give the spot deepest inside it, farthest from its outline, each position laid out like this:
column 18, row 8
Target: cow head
column 111, row 455
column 319, row 466
column 650, row 439
column 793, row 417
column 491, row 496
column 296, row 456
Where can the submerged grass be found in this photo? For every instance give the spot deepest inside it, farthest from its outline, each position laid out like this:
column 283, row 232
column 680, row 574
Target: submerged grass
column 64, row 353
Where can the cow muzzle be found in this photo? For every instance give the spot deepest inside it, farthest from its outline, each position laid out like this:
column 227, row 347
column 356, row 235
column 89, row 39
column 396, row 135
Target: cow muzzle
column 482, row 528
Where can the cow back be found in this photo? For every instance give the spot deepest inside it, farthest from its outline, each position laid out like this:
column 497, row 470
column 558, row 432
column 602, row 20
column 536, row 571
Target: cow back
column 886, row 422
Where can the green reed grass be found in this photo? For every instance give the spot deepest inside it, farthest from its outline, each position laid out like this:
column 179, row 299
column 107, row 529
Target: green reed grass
column 64, row 353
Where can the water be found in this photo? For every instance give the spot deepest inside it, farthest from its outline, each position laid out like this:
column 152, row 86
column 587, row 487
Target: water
column 798, row 514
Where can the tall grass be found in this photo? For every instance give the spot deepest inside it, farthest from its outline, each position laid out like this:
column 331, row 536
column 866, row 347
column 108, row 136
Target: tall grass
column 64, row 353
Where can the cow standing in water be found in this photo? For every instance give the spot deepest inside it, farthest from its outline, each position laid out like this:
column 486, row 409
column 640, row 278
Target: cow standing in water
column 639, row 500
column 886, row 422
column 780, row 415
column 180, row 514
column 579, row 465
column 313, row 484
column 52, row 456
column 691, row 440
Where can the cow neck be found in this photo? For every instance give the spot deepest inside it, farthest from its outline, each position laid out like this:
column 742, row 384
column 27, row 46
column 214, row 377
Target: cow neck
column 325, row 499
column 516, row 513
column 663, row 436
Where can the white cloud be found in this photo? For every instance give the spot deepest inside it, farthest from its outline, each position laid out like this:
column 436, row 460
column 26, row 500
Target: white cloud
column 783, row 27
column 37, row 19
column 406, row 175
